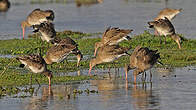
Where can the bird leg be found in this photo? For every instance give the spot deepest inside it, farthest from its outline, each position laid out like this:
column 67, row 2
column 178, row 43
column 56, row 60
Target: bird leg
column 126, row 71
column 31, row 79
column 109, row 72
column 135, row 78
column 114, row 65
column 37, row 82
column 150, row 76
column 109, row 68
column 109, row 75
column 144, row 76
column 165, row 40
column 160, row 40
column 156, row 32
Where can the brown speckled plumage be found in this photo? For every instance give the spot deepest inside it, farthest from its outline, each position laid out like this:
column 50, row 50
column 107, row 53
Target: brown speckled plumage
column 47, row 31
column 142, row 59
column 169, row 13
column 61, row 50
column 108, row 53
column 112, row 36
column 164, row 27
column 36, row 17
column 4, row 5
column 36, row 64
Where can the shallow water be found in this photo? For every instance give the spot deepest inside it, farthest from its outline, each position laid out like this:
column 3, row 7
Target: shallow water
column 132, row 14
column 171, row 89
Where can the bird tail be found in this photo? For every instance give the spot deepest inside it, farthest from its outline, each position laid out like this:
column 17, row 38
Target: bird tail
column 158, row 62
column 21, row 65
column 128, row 38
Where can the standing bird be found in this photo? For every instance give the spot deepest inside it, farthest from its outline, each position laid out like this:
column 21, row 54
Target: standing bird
column 142, row 59
column 169, row 13
column 113, row 36
column 4, row 5
column 79, row 3
column 36, row 64
column 108, row 53
column 47, row 31
column 165, row 27
column 59, row 52
column 36, row 17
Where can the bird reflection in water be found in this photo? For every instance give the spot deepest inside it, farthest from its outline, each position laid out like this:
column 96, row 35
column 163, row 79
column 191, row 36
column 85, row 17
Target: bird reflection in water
column 143, row 97
column 37, row 103
column 164, row 72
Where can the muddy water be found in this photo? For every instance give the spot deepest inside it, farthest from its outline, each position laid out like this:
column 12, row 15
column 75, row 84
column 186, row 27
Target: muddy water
column 171, row 89
column 94, row 17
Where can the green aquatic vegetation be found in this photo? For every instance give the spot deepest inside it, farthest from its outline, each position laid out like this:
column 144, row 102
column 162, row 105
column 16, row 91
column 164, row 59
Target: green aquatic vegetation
column 18, row 79
column 13, row 75
column 13, row 91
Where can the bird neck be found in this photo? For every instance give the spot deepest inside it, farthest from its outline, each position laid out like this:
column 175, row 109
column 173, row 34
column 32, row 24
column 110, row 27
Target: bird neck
column 95, row 61
column 79, row 58
column 175, row 37
column 25, row 24
column 98, row 44
column 48, row 73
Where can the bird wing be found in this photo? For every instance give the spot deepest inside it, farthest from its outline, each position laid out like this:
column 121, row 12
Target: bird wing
column 60, row 50
column 114, row 34
column 32, row 60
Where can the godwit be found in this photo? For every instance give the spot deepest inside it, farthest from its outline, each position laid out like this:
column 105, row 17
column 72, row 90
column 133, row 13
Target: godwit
column 169, row 13
column 142, row 59
column 87, row 2
column 108, row 53
column 59, row 52
column 36, row 64
column 112, row 36
column 165, row 27
column 4, row 5
column 47, row 31
column 36, row 17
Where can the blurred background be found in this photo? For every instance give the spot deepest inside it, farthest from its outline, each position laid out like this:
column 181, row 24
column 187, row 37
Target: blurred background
column 96, row 15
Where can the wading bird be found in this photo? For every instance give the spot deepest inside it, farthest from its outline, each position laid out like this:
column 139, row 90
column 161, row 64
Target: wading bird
column 36, row 64
column 108, row 53
column 113, row 36
column 36, row 17
column 4, row 5
column 164, row 27
column 167, row 12
column 141, row 60
column 59, row 52
column 47, row 31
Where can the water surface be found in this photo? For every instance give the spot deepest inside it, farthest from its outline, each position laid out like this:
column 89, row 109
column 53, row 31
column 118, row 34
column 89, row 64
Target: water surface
column 96, row 17
column 171, row 89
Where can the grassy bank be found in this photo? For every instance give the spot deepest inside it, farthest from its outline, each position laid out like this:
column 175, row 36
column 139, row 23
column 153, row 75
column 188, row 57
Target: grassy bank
column 170, row 55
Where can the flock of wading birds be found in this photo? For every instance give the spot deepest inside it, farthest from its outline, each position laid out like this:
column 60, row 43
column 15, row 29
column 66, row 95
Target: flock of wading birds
column 107, row 50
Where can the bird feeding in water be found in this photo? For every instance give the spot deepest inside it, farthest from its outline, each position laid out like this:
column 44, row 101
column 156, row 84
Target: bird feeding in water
column 108, row 53
column 63, row 48
column 141, row 60
column 113, row 36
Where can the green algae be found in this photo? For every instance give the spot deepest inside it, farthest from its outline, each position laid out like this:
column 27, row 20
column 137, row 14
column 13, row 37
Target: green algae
column 170, row 55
